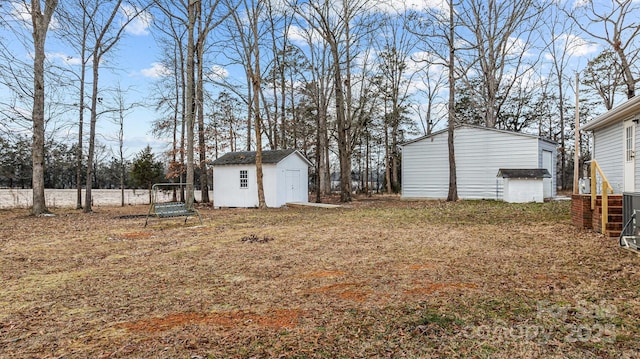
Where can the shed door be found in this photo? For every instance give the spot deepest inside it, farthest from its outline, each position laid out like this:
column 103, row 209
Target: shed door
column 629, row 156
column 292, row 184
column 547, row 163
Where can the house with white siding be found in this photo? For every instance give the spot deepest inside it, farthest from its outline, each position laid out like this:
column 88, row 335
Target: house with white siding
column 480, row 153
column 285, row 178
column 614, row 145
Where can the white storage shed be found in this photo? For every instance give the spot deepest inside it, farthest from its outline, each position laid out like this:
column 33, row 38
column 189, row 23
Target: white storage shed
column 523, row 185
column 479, row 152
column 285, row 179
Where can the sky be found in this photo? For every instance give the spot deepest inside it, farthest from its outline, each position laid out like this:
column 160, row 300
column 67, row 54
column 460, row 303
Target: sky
column 137, row 60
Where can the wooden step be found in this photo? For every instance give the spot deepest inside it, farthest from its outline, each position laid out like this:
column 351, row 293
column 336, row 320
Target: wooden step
column 613, row 200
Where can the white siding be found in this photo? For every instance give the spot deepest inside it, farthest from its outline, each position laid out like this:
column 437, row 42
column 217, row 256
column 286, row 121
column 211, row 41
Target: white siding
column 226, row 187
column 551, row 147
column 480, row 153
column 270, row 182
column 227, row 191
column 523, row 190
column 609, row 152
column 293, row 162
column 425, row 168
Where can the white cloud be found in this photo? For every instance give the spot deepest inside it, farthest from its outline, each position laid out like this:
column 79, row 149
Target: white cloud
column 574, row 46
column 580, row 3
column 400, row 6
column 156, row 70
column 218, row 72
column 21, row 12
column 67, row 59
column 300, row 36
column 140, row 24
column 578, row 46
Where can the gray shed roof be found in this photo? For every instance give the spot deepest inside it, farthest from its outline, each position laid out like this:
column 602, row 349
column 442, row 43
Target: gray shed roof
column 249, row 157
column 523, row 173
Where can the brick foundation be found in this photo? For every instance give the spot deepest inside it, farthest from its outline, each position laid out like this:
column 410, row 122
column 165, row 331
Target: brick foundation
column 583, row 217
column 581, row 214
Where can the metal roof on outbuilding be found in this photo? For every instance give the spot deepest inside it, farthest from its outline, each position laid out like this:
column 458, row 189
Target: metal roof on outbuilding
column 483, row 128
column 249, row 157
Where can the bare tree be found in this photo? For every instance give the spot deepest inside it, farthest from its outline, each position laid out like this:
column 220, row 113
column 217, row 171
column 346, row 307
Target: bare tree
column 196, row 19
column 560, row 45
column 40, row 21
column 318, row 90
column 342, row 25
column 249, row 35
column 170, row 89
column 396, row 79
column 105, row 34
column 121, row 110
column 438, row 30
column 614, row 23
column 452, row 194
column 502, row 36
column 434, row 79
column 76, row 22
column 192, row 15
column 604, row 75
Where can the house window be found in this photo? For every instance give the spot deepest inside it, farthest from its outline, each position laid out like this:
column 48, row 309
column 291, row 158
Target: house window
column 244, row 179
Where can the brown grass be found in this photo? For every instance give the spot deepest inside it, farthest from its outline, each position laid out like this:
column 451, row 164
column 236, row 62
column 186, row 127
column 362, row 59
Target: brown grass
column 378, row 278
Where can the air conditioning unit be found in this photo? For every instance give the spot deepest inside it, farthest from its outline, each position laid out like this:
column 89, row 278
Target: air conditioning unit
column 630, row 236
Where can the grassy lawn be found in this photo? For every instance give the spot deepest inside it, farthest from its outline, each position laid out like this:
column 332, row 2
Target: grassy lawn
column 378, row 278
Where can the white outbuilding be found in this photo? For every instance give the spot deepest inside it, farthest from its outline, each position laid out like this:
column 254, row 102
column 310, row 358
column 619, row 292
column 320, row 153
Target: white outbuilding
column 480, row 152
column 285, row 179
column 522, row 185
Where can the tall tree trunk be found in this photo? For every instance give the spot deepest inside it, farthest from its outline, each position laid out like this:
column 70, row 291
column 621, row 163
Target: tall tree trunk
column 452, row 195
column 190, row 102
column 318, row 160
column 120, row 146
column 92, row 134
column 79, row 153
column 202, row 145
column 387, row 157
column 40, row 23
column 344, row 155
column 255, row 78
column 183, row 125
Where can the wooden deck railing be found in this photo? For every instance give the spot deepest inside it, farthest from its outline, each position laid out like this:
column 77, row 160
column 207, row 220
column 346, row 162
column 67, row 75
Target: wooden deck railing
column 606, row 189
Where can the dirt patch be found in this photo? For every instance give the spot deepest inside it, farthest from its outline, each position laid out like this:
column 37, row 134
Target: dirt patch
column 439, row 287
column 418, row 267
column 355, row 295
column 276, row 319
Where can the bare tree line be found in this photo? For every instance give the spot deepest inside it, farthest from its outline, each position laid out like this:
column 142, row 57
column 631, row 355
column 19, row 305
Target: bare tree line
column 333, row 79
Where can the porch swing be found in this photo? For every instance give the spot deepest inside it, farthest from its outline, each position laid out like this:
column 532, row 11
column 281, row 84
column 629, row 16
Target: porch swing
column 169, row 209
